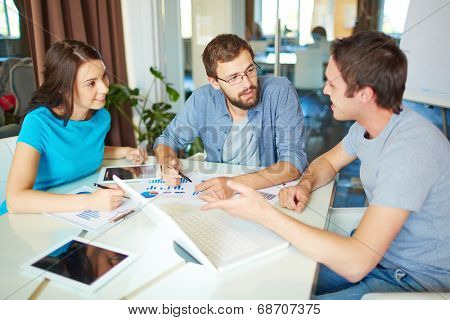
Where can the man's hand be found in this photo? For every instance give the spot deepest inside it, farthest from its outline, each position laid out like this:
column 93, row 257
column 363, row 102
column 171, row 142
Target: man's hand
column 295, row 198
column 248, row 205
column 170, row 171
column 215, row 189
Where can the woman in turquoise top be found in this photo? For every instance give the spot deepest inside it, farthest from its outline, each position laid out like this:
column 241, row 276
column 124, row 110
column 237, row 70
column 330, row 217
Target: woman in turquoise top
column 62, row 139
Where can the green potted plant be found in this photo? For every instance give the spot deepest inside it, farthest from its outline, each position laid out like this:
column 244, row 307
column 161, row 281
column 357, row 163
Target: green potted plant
column 153, row 116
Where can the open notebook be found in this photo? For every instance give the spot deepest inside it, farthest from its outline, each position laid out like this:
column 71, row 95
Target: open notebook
column 217, row 240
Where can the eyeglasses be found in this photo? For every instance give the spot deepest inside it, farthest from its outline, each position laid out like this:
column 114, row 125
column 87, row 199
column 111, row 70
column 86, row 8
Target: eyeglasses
column 238, row 78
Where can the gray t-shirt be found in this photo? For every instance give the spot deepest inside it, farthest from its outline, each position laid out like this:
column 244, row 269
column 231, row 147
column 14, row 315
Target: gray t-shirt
column 241, row 145
column 408, row 166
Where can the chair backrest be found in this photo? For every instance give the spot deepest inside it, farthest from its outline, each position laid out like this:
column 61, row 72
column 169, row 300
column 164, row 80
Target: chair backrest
column 187, row 54
column 259, row 46
column 309, row 69
column 23, row 84
column 7, row 148
column 5, row 87
column 311, row 65
column 344, row 220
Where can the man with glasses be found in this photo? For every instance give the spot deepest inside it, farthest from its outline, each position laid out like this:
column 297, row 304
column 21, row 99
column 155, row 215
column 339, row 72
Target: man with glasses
column 241, row 118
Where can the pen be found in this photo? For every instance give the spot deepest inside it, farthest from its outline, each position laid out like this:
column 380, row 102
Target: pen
column 180, row 173
column 105, row 187
column 124, row 215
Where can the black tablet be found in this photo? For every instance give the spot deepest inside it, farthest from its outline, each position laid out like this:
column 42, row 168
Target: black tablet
column 80, row 263
column 128, row 173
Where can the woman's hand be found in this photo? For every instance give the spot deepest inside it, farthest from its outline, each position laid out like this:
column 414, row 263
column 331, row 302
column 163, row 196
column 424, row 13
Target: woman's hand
column 106, row 199
column 136, row 155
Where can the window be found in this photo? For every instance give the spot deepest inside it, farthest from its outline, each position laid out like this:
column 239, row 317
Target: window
column 186, row 19
column 306, row 17
column 298, row 18
column 288, row 17
column 9, row 20
column 394, row 16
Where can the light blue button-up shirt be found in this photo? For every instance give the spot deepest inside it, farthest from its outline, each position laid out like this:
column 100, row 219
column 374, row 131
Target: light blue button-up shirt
column 278, row 119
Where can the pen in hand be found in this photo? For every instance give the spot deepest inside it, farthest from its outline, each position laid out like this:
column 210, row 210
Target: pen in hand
column 180, row 173
column 105, row 187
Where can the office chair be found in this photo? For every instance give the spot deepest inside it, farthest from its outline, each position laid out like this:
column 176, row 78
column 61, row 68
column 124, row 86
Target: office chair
column 23, row 85
column 10, row 130
column 259, row 46
column 309, row 69
column 7, row 148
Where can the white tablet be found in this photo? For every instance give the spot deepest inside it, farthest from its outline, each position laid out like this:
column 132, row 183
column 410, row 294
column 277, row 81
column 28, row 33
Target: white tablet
column 129, row 173
column 80, row 263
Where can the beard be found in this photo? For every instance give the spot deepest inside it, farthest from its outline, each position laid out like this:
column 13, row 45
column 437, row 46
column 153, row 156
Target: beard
column 239, row 103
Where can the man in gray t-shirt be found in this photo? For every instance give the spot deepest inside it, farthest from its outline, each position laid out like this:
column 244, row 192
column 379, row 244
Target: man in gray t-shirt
column 407, row 166
column 402, row 242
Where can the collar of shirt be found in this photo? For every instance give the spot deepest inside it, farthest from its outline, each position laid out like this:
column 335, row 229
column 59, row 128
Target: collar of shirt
column 223, row 109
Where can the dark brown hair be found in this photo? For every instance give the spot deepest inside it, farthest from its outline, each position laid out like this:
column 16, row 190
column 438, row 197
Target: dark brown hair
column 223, row 48
column 372, row 59
column 61, row 64
column 319, row 33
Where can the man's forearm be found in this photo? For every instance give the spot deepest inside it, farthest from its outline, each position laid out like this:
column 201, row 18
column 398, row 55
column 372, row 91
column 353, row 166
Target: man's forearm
column 344, row 255
column 319, row 173
column 275, row 174
column 163, row 153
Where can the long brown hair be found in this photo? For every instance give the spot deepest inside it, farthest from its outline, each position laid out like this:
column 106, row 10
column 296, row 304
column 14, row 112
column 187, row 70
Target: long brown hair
column 61, row 64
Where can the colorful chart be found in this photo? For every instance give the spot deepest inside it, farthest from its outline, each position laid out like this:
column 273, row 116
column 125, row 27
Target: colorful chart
column 89, row 215
column 154, row 188
column 161, row 181
column 267, row 196
column 156, row 181
column 149, row 194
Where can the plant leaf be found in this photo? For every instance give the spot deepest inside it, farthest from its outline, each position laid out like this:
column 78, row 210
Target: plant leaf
column 157, row 73
column 173, row 94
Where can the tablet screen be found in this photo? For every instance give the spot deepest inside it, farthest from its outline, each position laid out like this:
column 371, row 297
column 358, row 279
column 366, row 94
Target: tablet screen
column 129, row 173
column 79, row 261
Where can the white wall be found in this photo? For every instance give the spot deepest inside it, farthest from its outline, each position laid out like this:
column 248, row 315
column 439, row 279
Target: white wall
column 210, row 18
column 426, row 44
column 172, row 57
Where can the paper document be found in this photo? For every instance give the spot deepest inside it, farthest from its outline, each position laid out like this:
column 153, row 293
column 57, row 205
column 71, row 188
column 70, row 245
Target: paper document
column 271, row 193
column 94, row 221
column 186, row 190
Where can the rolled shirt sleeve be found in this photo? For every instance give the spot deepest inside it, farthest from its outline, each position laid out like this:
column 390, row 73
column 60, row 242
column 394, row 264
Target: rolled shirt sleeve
column 290, row 133
column 182, row 130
